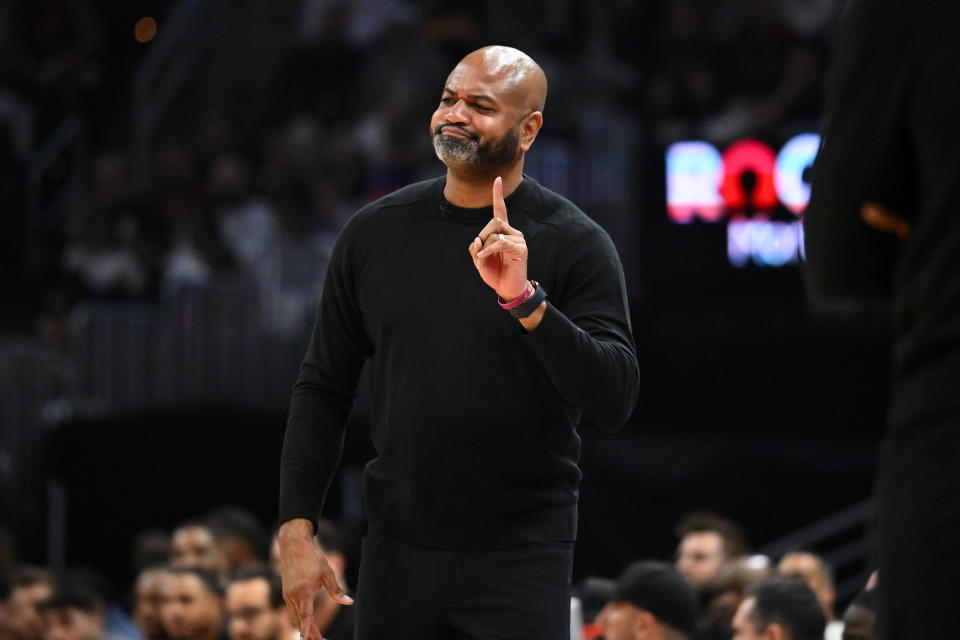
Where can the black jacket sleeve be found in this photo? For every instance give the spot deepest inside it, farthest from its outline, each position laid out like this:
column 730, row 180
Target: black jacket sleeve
column 584, row 340
column 865, row 156
column 324, row 392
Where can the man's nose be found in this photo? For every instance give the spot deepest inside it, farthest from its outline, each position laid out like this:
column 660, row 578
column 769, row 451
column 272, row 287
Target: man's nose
column 457, row 113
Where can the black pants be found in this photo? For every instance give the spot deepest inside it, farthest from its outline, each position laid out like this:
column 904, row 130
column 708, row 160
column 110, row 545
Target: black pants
column 517, row 593
column 919, row 489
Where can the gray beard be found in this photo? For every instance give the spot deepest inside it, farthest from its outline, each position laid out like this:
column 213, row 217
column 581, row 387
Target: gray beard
column 455, row 151
column 495, row 153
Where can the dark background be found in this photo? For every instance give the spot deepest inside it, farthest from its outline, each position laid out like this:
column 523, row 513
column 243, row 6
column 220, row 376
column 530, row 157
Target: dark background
column 140, row 400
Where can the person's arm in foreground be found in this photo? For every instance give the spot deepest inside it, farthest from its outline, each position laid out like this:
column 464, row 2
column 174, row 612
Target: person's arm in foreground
column 863, row 176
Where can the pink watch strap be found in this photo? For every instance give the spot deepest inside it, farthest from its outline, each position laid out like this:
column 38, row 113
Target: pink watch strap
column 517, row 301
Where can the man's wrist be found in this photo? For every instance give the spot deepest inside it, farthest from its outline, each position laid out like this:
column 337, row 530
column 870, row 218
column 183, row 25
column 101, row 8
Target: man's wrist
column 521, row 308
column 528, row 290
column 295, row 529
column 533, row 320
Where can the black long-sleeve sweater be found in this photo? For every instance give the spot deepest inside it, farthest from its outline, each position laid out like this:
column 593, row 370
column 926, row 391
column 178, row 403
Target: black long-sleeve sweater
column 473, row 420
column 891, row 131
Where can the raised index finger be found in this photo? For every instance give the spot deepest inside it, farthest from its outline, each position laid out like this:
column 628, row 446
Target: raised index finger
column 499, row 206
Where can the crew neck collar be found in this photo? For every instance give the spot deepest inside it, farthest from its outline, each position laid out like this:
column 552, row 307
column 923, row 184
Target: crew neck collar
column 468, row 215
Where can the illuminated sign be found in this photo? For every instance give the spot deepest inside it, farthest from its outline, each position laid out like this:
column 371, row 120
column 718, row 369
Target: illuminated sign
column 748, row 178
column 753, row 158
column 770, row 243
column 693, row 175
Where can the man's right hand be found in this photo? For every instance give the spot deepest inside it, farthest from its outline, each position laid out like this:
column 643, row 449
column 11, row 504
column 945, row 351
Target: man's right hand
column 304, row 571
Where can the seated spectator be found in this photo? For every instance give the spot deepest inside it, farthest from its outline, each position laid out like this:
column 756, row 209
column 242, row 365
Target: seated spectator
column 254, row 606
column 707, row 543
column 810, row 569
column 736, row 577
column 150, row 548
column 31, row 587
column 779, row 609
column 148, row 598
column 650, row 600
column 860, row 618
column 116, row 624
column 196, row 544
column 71, row 613
column 192, row 606
column 241, row 536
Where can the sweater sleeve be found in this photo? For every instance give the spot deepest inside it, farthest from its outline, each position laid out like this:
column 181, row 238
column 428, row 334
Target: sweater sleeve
column 584, row 340
column 324, row 392
column 865, row 156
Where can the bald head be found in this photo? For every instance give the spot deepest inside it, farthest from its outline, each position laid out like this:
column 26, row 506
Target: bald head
column 517, row 75
column 811, row 570
column 489, row 114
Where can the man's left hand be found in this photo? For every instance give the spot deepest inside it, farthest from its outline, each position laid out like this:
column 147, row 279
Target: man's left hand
column 499, row 251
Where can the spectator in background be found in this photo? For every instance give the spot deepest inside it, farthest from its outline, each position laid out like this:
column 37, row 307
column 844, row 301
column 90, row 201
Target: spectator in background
column 241, row 536
column 72, row 613
column 860, row 618
column 107, row 234
column 811, row 570
column 116, row 624
column 254, row 607
column 707, row 543
column 246, row 223
column 192, row 606
column 148, row 600
column 649, row 601
column 735, row 578
column 31, row 587
column 150, row 548
column 196, row 544
column 779, row 609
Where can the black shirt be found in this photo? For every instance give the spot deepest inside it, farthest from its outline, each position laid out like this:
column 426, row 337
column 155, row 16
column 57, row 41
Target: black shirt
column 474, row 420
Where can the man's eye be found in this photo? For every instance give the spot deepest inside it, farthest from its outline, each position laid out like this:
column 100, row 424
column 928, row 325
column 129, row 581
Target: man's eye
column 447, row 101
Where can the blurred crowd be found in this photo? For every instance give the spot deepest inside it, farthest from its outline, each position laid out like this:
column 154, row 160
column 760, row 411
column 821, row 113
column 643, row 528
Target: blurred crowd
column 262, row 187
column 216, row 577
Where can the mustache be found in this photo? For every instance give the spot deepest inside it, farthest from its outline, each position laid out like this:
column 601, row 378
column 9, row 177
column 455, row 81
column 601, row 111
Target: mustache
column 460, row 127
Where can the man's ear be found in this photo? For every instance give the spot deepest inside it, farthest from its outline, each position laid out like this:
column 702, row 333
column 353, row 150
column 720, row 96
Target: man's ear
column 529, row 129
column 644, row 623
column 775, row 631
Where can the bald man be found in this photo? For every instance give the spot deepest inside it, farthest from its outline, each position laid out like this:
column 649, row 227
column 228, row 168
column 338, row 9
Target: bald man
column 494, row 315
